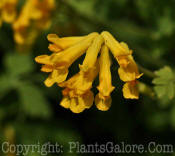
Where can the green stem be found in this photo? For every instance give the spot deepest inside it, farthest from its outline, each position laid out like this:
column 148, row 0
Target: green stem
column 146, row 72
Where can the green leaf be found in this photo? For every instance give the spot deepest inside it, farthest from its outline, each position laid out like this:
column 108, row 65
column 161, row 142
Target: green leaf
column 160, row 90
column 18, row 64
column 164, row 83
column 33, row 101
column 164, row 75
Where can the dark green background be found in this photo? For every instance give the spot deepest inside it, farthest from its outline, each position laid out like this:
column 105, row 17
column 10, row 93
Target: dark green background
column 30, row 112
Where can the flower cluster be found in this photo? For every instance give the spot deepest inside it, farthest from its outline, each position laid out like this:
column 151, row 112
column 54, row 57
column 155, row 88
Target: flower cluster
column 77, row 94
column 7, row 11
column 34, row 16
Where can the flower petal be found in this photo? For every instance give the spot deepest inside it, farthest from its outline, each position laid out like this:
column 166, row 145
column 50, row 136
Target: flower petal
column 130, row 90
column 44, row 59
column 105, row 87
column 103, row 104
column 129, row 73
column 65, row 102
column 47, row 68
column 76, row 106
column 92, row 53
column 114, row 45
column 56, row 76
column 64, row 42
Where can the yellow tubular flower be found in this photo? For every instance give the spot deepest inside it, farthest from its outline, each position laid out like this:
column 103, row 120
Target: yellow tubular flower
column 115, row 47
column 78, row 104
column 61, row 43
column 56, row 75
column 103, row 104
column 8, row 10
column 130, row 72
column 103, row 99
column 91, row 54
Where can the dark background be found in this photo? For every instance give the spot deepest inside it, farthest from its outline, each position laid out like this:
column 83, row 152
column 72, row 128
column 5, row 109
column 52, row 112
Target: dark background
column 30, row 112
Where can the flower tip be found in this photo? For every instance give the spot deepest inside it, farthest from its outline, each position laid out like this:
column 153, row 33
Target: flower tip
column 41, row 58
column 65, row 102
column 50, row 37
column 48, row 82
column 104, row 32
column 103, row 104
column 140, row 75
column 130, row 90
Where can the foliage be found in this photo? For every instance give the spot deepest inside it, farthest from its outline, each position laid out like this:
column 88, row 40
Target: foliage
column 30, row 112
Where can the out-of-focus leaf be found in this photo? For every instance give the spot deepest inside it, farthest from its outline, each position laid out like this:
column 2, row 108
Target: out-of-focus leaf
column 17, row 64
column 165, row 26
column 85, row 7
column 164, row 83
column 33, row 101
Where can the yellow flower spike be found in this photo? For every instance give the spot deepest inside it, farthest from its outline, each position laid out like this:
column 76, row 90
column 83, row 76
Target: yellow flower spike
column 105, row 87
column 63, row 42
column 91, row 54
column 130, row 90
column 73, row 52
column 77, row 94
column 115, row 47
column 103, row 104
column 131, row 72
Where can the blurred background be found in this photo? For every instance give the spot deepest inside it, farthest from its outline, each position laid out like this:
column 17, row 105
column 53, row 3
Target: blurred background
column 30, row 112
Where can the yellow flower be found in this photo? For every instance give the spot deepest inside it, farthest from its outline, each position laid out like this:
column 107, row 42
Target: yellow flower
column 128, row 70
column 77, row 94
column 116, row 48
column 59, row 44
column 129, row 73
column 8, row 11
column 78, row 104
column 103, row 99
column 35, row 15
column 58, row 63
